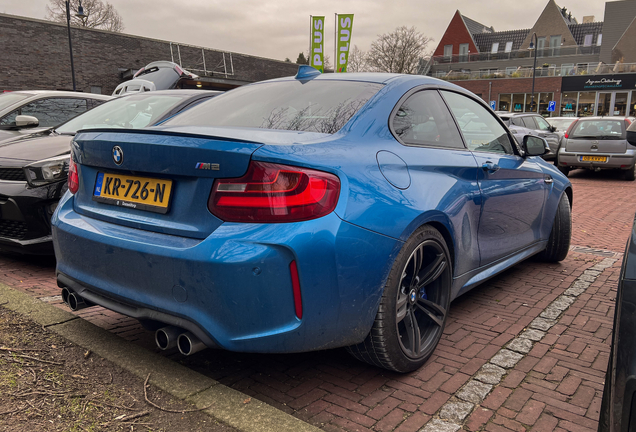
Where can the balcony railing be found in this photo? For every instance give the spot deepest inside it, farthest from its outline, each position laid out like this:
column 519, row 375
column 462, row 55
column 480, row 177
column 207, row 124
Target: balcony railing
column 600, row 69
column 519, row 54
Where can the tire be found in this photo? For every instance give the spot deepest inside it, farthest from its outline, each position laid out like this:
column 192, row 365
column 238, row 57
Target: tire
column 559, row 241
column 414, row 306
column 630, row 174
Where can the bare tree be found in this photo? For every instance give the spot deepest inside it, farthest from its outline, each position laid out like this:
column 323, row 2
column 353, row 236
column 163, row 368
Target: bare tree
column 99, row 14
column 357, row 60
column 398, row 52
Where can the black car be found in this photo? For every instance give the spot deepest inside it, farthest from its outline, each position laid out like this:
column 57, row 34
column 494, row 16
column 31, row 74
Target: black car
column 618, row 408
column 33, row 168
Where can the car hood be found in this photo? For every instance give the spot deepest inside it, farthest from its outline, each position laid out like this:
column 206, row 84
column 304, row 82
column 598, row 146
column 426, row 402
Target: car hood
column 36, row 147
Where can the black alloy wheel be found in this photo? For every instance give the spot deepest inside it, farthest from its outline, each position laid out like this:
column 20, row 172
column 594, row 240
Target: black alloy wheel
column 414, row 306
column 422, row 299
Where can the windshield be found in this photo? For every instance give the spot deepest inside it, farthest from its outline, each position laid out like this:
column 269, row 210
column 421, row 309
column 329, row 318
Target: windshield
column 310, row 106
column 599, row 129
column 130, row 112
column 561, row 124
column 8, row 99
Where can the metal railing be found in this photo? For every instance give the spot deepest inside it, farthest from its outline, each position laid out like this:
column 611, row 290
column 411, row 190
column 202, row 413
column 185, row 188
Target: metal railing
column 519, row 54
column 526, row 72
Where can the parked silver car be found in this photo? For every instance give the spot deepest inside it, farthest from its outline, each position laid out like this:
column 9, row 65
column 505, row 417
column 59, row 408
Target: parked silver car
column 535, row 125
column 598, row 143
column 33, row 110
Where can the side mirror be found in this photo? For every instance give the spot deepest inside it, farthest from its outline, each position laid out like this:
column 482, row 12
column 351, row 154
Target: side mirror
column 535, row 146
column 553, row 128
column 26, row 121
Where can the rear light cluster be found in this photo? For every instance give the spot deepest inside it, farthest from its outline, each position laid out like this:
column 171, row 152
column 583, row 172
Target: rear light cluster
column 274, row 193
column 73, row 177
column 567, row 132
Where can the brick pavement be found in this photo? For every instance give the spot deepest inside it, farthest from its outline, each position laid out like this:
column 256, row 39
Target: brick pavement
column 557, row 386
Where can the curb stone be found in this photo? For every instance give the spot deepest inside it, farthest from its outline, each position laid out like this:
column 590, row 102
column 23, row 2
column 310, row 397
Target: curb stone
column 228, row 405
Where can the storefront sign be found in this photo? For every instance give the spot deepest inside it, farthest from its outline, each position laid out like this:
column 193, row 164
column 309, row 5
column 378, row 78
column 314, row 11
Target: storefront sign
column 316, row 56
column 599, row 82
column 345, row 27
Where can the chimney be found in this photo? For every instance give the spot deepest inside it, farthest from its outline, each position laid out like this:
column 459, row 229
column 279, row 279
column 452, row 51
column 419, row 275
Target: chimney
column 588, row 19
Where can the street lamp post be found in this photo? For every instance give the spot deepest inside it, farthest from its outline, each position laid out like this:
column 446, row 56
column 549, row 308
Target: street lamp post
column 534, row 66
column 80, row 13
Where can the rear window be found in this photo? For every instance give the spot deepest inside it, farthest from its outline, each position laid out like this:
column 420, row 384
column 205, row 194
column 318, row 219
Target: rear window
column 561, row 125
column 310, row 106
column 163, row 78
column 599, row 129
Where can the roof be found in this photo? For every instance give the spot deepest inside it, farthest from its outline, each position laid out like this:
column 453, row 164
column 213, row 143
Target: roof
column 484, row 41
column 62, row 93
column 475, row 27
column 580, row 30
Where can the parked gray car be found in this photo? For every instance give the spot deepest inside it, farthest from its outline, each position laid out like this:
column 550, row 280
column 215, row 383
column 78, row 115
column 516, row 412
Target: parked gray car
column 598, row 143
column 537, row 126
column 34, row 110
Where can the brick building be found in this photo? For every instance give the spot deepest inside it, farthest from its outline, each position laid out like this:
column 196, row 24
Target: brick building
column 587, row 68
column 35, row 55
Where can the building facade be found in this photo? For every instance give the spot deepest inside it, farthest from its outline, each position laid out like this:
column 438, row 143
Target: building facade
column 35, row 55
column 586, row 68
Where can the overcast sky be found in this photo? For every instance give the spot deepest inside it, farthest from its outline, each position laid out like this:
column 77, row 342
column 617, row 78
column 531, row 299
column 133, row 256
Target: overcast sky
column 280, row 28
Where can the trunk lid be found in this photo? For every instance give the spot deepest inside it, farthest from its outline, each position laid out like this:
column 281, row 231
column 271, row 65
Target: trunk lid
column 596, row 145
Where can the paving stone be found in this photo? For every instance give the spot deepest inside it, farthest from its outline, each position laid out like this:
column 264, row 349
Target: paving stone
column 437, row 425
column 533, row 334
column 520, row 345
column 456, row 411
column 542, row 324
column 490, row 374
column 506, row 358
column 474, row 391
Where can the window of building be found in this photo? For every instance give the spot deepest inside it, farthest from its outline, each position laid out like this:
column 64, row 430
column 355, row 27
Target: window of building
column 544, row 101
column 504, row 102
column 568, row 104
column 463, row 52
column 448, row 51
column 632, row 105
column 587, row 101
column 96, row 89
column 424, row 120
column 567, row 69
column 599, row 40
column 518, row 102
column 588, row 40
column 541, row 43
column 495, row 48
column 508, row 46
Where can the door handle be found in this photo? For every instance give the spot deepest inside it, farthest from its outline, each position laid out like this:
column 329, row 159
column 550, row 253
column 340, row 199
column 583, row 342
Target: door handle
column 548, row 179
column 489, row 166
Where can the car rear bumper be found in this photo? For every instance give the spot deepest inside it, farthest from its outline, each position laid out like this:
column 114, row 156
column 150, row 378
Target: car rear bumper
column 612, row 161
column 235, row 285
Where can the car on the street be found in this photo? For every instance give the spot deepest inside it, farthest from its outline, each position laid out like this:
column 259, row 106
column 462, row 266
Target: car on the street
column 159, row 75
column 598, row 143
column 537, row 125
column 33, row 168
column 561, row 124
column 618, row 412
column 307, row 213
column 27, row 111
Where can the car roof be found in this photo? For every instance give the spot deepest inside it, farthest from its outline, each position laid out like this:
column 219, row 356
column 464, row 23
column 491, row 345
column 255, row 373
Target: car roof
column 604, row 118
column 63, row 93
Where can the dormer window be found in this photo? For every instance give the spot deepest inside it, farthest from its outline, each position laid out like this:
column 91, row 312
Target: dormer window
column 588, row 40
column 599, row 40
column 508, row 46
column 495, row 48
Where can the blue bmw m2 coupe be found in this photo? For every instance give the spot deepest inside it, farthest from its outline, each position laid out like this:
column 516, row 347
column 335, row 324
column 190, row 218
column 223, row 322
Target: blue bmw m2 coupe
column 306, row 213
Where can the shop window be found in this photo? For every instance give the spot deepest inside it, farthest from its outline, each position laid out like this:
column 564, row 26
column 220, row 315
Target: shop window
column 587, row 102
column 518, row 102
column 505, row 102
column 568, row 104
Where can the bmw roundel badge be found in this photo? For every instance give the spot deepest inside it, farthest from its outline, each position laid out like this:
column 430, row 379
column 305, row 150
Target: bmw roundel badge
column 118, row 155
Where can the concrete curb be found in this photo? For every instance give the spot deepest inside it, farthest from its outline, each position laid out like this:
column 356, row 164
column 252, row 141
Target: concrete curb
column 228, row 406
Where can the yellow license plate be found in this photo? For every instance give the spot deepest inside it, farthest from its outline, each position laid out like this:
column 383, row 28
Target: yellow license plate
column 139, row 193
column 593, row 158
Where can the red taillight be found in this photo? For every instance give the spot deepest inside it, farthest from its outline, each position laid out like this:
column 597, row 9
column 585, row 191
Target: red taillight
column 275, row 193
column 73, row 177
column 567, row 132
column 627, row 123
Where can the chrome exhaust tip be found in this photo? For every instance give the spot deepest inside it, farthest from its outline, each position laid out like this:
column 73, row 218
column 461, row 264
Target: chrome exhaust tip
column 166, row 337
column 189, row 344
column 65, row 295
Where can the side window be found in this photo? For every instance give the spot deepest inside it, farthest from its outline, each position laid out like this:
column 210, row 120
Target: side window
column 423, row 119
column 9, row 119
column 517, row 121
column 529, row 122
column 482, row 132
column 92, row 103
column 542, row 123
column 53, row 111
